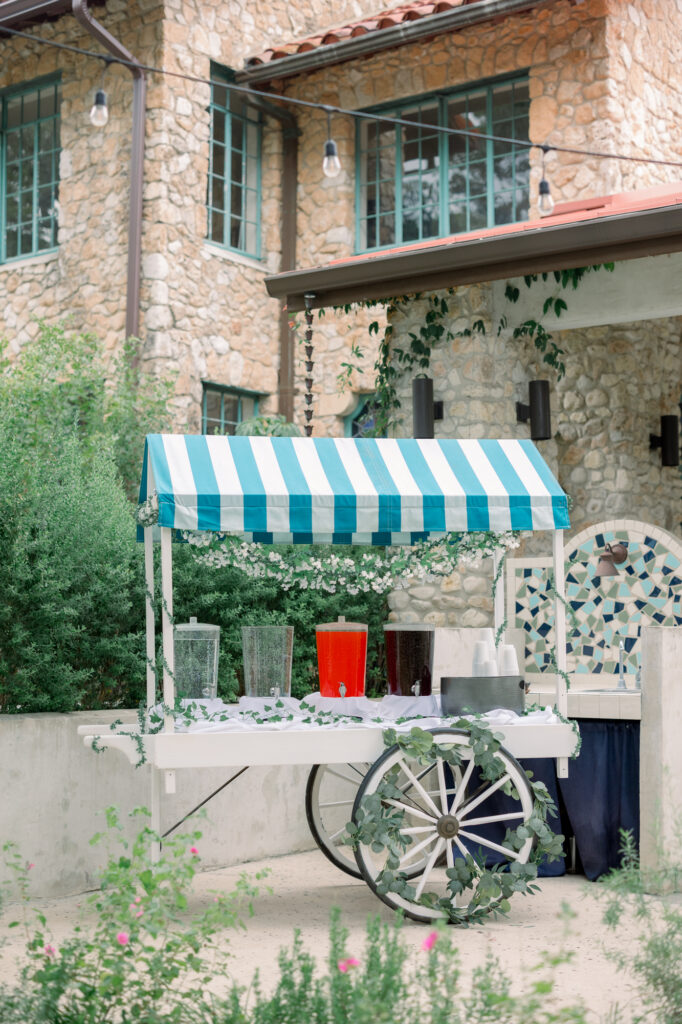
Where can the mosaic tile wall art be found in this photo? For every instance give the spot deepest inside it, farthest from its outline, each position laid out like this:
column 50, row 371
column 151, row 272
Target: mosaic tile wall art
column 603, row 610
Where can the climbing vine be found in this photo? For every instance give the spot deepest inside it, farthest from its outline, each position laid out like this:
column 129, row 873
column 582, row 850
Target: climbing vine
column 393, row 363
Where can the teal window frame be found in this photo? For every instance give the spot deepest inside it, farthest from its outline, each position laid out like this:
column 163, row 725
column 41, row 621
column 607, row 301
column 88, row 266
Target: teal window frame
column 29, row 168
column 234, row 174
column 381, row 151
column 221, row 423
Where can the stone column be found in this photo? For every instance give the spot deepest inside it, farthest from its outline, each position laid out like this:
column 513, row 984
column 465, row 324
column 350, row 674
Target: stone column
column 660, row 771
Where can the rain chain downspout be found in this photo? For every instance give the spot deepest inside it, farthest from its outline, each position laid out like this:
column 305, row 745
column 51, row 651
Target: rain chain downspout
column 118, row 50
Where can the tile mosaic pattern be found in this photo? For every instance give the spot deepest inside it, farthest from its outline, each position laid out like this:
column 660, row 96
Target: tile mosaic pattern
column 648, row 592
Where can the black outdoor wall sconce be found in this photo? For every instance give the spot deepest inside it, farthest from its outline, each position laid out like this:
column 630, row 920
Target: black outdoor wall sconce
column 537, row 411
column 424, row 409
column 668, row 441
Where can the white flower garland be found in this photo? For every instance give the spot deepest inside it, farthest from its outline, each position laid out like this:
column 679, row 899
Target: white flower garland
column 371, row 571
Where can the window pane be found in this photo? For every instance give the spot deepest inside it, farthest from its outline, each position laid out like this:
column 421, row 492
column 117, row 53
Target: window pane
column 212, row 403
column 12, row 243
column 248, row 408
column 241, row 125
column 31, row 176
column 486, row 181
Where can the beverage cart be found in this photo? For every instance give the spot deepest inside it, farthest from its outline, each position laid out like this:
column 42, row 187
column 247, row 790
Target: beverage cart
column 354, row 491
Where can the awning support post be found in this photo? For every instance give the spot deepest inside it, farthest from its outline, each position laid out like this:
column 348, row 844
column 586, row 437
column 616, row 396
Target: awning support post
column 150, row 625
column 167, row 621
column 498, row 605
column 560, row 637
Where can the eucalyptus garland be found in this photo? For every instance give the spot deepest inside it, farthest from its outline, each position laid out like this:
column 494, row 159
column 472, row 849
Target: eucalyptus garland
column 378, row 823
column 378, row 570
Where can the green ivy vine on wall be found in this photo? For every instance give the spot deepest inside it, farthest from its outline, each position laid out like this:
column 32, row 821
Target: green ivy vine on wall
column 393, row 363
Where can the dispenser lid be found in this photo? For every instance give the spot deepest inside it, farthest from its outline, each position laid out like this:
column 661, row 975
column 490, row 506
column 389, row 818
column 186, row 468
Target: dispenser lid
column 198, row 627
column 411, row 627
column 342, row 626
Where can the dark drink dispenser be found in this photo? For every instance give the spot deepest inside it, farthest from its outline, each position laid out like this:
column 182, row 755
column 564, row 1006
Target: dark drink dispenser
column 409, row 658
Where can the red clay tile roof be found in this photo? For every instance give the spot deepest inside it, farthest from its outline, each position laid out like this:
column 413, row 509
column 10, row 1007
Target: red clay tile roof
column 386, row 19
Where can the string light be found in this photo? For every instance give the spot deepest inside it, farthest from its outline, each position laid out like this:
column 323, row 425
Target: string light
column 331, row 165
column 545, row 203
column 360, row 115
column 99, row 112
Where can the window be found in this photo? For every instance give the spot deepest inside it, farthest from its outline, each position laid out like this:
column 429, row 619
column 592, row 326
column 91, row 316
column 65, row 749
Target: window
column 362, row 421
column 418, row 182
column 224, row 407
column 234, row 189
column 29, row 169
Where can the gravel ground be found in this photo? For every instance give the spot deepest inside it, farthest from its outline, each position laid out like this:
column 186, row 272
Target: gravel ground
column 305, row 886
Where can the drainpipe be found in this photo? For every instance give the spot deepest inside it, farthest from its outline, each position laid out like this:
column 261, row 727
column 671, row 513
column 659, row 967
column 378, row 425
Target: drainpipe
column 287, row 355
column 118, row 50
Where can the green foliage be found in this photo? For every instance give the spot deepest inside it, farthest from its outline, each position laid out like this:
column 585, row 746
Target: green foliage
column 60, row 384
column 231, row 600
column 147, row 959
column 70, row 574
column 142, row 958
column 379, row 825
column 656, row 962
column 267, row 426
column 69, row 579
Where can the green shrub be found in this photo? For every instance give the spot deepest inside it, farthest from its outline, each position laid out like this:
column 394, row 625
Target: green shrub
column 147, row 959
column 231, row 600
column 69, row 578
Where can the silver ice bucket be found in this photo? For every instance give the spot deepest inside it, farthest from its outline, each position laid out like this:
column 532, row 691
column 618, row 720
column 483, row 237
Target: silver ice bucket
column 478, row 694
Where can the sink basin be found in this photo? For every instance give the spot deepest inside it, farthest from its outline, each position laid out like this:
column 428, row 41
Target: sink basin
column 607, row 689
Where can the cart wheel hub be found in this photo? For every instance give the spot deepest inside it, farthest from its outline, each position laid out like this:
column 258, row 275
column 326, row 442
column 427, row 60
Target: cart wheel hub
column 447, row 826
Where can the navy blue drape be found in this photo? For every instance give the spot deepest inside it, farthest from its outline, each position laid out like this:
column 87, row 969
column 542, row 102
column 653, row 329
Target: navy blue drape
column 601, row 794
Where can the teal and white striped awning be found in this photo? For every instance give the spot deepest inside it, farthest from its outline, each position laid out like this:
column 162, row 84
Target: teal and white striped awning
column 306, row 490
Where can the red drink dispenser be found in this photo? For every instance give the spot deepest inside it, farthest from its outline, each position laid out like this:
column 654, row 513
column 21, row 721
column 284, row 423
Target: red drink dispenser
column 341, row 658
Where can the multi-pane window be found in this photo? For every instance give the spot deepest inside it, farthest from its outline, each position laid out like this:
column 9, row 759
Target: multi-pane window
column 419, row 182
column 223, row 408
column 29, row 169
column 234, row 178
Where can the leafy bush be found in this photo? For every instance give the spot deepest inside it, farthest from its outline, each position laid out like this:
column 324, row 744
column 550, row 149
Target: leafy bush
column 71, row 572
column 60, row 383
column 656, row 963
column 146, row 959
column 70, row 584
column 137, row 961
column 231, row 600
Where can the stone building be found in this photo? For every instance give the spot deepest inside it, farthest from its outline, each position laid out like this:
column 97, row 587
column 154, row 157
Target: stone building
column 233, row 192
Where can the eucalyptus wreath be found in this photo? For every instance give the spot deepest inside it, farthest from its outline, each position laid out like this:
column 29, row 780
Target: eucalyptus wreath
column 378, row 824
column 378, row 570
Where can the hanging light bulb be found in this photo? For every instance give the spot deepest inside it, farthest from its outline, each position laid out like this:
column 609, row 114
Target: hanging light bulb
column 99, row 114
column 545, row 203
column 331, row 165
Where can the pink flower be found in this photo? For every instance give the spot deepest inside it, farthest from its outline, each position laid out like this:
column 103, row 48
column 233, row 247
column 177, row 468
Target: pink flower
column 194, row 850
column 139, row 913
column 29, row 867
column 123, row 938
column 49, row 950
column 343, row 965
column 430, row 941
column 138, row 899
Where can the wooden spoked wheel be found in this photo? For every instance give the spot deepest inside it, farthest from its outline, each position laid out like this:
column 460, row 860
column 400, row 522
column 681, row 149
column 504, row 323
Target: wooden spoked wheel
column 461, row 816
column 330, row 797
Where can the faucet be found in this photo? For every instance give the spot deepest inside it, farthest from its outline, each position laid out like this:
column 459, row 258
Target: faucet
column 621, row 666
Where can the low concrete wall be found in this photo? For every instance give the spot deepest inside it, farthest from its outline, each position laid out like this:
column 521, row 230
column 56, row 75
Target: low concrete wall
column 53, row 788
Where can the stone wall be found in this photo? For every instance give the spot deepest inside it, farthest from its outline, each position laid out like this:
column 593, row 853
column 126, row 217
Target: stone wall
column 595, row 83
column 205, row 312
column 602, row 413
column 602, row 75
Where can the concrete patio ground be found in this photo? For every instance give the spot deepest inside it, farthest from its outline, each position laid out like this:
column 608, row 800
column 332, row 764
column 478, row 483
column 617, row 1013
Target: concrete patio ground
column 302, row 888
